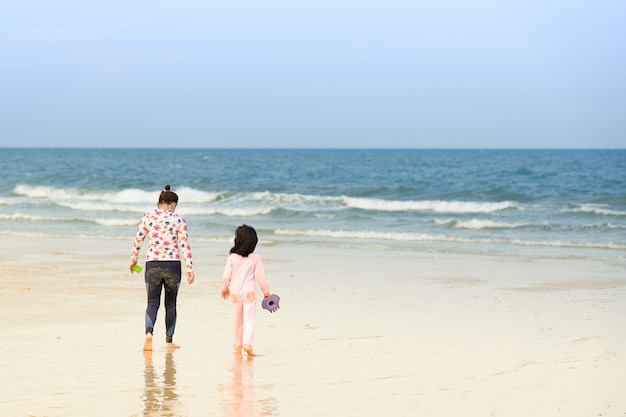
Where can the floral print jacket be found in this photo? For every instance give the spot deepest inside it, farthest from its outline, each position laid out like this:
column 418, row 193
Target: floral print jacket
column 167, row 238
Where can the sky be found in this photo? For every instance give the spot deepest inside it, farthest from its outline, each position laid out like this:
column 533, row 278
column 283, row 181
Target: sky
column 313, row 74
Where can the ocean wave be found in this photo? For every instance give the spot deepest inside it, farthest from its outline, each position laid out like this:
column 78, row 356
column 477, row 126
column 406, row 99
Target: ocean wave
column 228, row 211
column 304, row 202
column 28, row 217
column 128, row 195
column 192, row 201
column 96, row 206
column 343, row 234
column 478, row 224
column 424, row 237
column 115, row 222
column 61, row 194
column 135, row 200
column 603, row 226
column 596, row 209
column 292, row 202
column 7, row 202
column 564, row 244
column 48, row 235
column 184, row 211
column 430, row 205
column 100, row 221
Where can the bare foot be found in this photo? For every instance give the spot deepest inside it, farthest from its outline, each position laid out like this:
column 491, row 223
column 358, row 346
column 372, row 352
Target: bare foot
column 237, row 348
column 169, row 347
column 248, row 349
column 147, row 345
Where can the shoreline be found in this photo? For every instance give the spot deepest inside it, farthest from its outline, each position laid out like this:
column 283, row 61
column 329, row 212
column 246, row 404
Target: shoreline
column 508, row 250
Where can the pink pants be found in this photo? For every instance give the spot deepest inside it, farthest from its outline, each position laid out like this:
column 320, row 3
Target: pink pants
column 244, row 311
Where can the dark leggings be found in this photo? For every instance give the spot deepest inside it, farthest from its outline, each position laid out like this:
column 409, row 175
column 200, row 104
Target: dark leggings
column 161, row 274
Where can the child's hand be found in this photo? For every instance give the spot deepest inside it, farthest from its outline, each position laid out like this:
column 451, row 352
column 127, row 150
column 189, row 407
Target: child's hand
column 191, row 277
column 265, row 295
column 225, row 294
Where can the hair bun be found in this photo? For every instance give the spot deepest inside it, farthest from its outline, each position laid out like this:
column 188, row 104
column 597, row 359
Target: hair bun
column 167, row 187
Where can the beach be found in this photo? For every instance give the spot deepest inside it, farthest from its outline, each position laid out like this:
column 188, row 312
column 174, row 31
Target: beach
column 360, row 332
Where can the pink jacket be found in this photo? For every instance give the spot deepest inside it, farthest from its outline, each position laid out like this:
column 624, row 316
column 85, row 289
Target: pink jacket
column 241, row 274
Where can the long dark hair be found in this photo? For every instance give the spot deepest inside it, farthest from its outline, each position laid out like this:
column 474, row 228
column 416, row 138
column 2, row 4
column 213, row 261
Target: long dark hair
column 168, row 196
column 245, row 240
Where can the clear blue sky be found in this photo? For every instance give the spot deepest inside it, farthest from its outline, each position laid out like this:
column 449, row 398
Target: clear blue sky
column 353, row 74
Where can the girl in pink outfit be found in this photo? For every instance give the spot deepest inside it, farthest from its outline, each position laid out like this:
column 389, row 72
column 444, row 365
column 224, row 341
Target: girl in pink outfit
column 244, row 269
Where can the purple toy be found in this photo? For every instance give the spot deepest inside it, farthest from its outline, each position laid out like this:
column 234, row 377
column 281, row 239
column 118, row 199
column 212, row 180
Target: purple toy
column 271, row 303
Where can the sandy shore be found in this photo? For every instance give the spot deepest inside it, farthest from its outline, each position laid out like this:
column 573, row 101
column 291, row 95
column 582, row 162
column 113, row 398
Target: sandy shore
column 359, row 333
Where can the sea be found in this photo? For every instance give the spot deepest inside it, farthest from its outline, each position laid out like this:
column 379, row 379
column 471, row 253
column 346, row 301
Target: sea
column 552, row 203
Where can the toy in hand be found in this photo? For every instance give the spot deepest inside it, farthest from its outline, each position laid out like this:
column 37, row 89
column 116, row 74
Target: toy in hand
column 271, row 303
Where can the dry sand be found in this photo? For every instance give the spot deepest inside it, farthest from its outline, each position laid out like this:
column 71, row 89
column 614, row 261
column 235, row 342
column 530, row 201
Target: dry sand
column 359, row 333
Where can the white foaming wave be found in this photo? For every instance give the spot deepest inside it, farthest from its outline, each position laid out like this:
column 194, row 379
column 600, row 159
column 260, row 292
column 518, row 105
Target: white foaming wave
column 597, row 209
column 245, row 212
column 565, row 244
column 296, row 197
column 54, row 235
column 139, row 202
column 430, row 205
column 34, row 191
column 184, row 211
column 34, row 218
column 421, row 237
column 227, row 211
column 189, row 195
column 100, row 206
column 136, row 201
column 5, row 202
column 59, row 194
column 186, row 195
column 116, row 222
column 214, row 239
column 304, row 202
column 602, row 226
column 129, row 195
column 365, row 235
column 478, row 224
column 296, row 201
column 324, row 216
column 27, row 217
column 263, row 203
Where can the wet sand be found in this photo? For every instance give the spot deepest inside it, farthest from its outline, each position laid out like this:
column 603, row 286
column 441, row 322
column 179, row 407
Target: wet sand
column 359, row 333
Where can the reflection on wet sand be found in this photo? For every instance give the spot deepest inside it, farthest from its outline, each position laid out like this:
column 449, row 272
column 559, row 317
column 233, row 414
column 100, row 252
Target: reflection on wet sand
column 241, row 389
column 160, row 397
